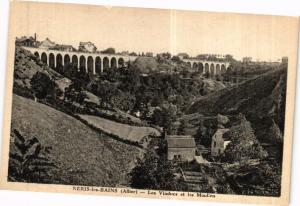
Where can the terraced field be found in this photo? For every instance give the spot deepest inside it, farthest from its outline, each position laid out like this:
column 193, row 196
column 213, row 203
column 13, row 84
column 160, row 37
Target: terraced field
column 123, row 131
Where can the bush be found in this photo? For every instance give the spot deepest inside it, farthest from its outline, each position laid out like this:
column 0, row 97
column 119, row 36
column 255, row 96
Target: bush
column 243, row 145
column 44, row 87
column 155, row 173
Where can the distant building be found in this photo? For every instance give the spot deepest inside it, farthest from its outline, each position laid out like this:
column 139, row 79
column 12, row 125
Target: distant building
column 183, row 55
column 26, row 41
column 218, row 142
column 47, row 44
column 180, row 147
column 87, row 47
column 67, row 48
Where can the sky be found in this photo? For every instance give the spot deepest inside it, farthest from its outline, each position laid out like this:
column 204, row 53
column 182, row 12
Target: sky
column 261, row 37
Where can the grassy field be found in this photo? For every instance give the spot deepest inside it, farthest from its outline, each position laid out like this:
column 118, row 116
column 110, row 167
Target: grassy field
column 123, row 131
column 85, row 157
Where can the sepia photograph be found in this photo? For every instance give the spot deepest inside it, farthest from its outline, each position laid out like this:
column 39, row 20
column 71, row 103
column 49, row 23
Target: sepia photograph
column 154, row 103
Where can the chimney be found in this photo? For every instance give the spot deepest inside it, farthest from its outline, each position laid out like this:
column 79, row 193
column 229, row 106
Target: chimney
column 34, row 36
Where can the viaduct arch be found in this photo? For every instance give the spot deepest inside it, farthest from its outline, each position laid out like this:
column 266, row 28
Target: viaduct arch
column 94, row 63
column 211, row 67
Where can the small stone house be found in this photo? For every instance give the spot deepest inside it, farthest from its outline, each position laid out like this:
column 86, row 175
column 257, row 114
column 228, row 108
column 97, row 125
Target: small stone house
column 218, row 142
column 181, row 147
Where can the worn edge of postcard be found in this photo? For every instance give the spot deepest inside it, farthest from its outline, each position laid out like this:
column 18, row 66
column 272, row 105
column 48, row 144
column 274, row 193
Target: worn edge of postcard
column 287, row 151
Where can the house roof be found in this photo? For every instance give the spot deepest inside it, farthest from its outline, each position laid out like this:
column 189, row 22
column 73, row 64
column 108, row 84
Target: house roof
column 48, row 41
column 179, row 136
column 181, row 142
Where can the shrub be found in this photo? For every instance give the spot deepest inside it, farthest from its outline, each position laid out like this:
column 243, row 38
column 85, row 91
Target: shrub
column 44, row 87
column 30, row 161
column 243, row 145
column 155, row 173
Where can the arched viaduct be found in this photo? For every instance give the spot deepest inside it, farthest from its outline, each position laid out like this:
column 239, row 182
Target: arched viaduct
column 211, row 67
column 89, row 62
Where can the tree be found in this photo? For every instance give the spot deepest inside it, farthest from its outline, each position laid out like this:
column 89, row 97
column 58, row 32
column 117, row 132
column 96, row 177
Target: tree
column 229, row 58
column 166, row 55
column 183, row 126
column 207, row 75
column 109, row 50
column 43, row 87
column 123, row 101
column 163, row 118
column 75, row 93
column 154, row 173
column 219, row 77
column 176, row 59
column 131, row 80
column 132, row 54
column 243, row 145
column 105, row 91
column 71, row 71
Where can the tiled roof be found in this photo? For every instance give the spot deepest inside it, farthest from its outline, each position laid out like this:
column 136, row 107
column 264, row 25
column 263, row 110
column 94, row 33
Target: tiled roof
column 181, row 142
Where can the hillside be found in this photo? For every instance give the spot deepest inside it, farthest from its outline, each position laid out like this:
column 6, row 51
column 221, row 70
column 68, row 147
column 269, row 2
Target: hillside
column 245, row 97
column 85, row 156
column 146, row 64
column 211, row 85
column 261, row 99
column 124, row 131
column 153, row 64
column 26, row 65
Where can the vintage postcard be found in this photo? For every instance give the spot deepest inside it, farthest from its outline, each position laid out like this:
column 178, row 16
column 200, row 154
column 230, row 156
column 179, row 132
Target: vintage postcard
column 150, row 103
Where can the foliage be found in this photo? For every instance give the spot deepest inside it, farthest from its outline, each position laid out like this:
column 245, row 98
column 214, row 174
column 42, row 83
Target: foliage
column 71, row 71
column 163, row 56
column 109, row 50
column 176, row 59
column 123, row 100
column 31, row 161
column 133, row 54
column 263, row 179
column 75, row 93
column 143, row 92
column 182, row 127
column 154, row 173
column 44, row 87
column 163, row 118
column 105, row 91
column 244, row 145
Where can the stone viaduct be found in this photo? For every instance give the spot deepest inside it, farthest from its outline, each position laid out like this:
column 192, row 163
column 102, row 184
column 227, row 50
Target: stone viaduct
column 89, row 62
column 95, row 63
column 205, row 66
